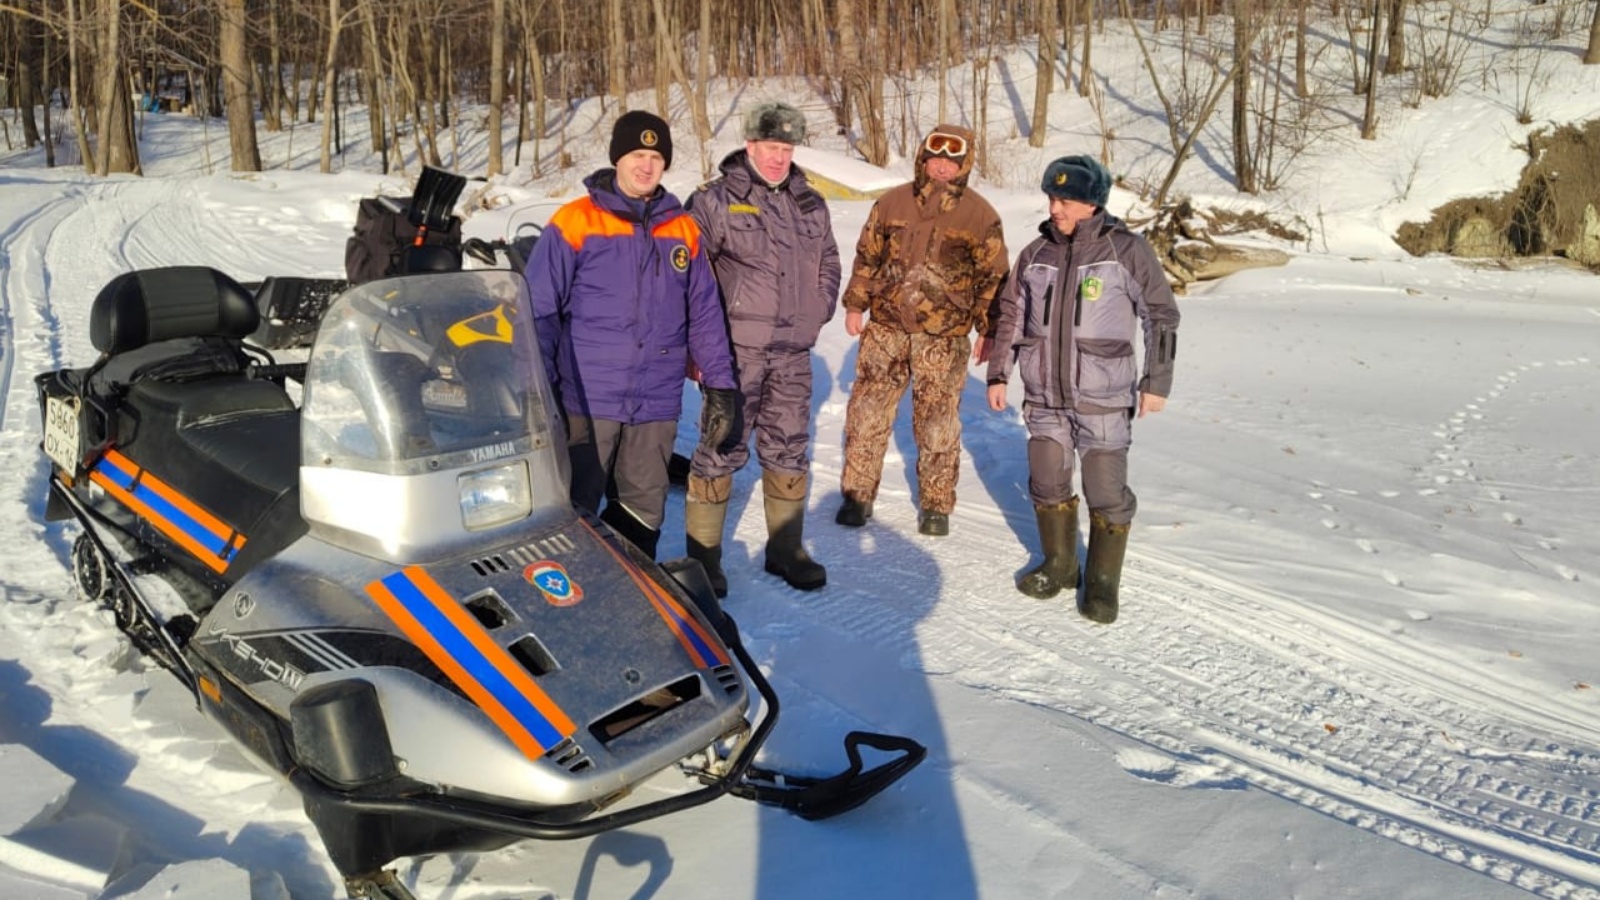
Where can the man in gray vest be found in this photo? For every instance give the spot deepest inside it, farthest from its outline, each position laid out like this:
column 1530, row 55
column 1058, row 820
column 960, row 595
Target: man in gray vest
column 768, row 236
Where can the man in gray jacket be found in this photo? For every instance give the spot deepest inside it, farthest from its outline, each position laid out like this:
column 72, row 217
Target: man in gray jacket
column 770, row 242
column 1069, row 313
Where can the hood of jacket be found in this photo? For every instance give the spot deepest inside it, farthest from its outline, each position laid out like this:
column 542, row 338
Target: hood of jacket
column 922, row 183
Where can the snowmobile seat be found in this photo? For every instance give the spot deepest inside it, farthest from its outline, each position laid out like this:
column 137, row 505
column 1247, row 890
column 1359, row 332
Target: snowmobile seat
column 179, row 400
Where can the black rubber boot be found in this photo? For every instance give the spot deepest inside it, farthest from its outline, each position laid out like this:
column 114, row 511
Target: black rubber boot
column 1108, row 544
column 854, row 513
column 705, row 511
column 936, row 524
column 784, row 500
column 629, row 528
column 1058, row 534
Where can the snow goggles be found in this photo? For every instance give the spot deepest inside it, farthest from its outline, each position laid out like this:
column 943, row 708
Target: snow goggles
column 941, row 144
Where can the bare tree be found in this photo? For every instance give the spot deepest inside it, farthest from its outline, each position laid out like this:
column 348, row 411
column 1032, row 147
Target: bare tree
column 1244, row 174
column 117, row 151
column 1044, row 77
column 1591, row 56
column 80, row 118
column 1395, row 62
column 235, row 62
column 335, row 25
column 1369, row 119
column 497, row 85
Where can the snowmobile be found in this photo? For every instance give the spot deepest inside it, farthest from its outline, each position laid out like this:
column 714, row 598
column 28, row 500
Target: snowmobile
column 366, row 569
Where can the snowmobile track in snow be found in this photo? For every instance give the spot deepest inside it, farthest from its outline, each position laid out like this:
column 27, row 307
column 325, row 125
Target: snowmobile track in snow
column 1225, row 686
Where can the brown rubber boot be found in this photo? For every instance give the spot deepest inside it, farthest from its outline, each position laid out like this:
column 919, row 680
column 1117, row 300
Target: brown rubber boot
column 704, row 514
column 784, row 496
column 1108, row 544
column 1058, row 534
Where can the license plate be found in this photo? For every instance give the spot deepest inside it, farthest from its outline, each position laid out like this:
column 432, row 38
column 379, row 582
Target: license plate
column 61, row 433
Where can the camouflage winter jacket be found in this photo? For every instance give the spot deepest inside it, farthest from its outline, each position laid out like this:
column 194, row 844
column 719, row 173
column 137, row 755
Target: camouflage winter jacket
column 1071, row 310
column 931, row 255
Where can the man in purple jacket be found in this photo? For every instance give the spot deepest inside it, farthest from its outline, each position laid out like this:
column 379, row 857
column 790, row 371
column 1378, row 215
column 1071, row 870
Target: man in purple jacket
column 623, row 300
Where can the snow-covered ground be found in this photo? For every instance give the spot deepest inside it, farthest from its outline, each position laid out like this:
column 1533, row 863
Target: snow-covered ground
column 1357, row 651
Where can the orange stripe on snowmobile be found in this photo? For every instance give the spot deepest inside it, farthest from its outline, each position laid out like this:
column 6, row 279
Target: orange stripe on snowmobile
column 465, row 652
column 206, row 538
column 705, row 650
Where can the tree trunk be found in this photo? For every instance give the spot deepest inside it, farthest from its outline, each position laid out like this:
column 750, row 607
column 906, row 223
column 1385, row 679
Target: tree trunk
column 848, row 59
column 272, row 99
column 702, row 79
column 80, row 119
column 372, row 82
column 940, row 64
column 1395, row 63
column 497, row 84
column 1243, row 31
column 1369, row 119
column 235, row 62
column 1044, row 75
column 1592, row 55
column 118, row 152
column 1302, row 86
column 617, row 49
column 1086, row 69
column 332, row 84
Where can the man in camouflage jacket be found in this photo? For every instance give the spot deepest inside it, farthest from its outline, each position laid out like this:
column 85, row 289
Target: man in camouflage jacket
column 930, row 259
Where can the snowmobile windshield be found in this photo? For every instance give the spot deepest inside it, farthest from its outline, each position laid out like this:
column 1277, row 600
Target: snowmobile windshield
column 425, row 373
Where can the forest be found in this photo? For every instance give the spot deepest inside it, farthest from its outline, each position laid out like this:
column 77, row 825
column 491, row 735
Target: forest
column 77, row 75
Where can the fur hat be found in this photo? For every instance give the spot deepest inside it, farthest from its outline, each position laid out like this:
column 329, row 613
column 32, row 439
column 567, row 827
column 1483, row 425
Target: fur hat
column 775, row 122
column 1078, row 178
column 639, row 130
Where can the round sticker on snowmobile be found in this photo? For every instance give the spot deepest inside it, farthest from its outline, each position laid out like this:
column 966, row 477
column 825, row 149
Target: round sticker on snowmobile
column 1092, row 286
column 552, row 580
column 680, row 258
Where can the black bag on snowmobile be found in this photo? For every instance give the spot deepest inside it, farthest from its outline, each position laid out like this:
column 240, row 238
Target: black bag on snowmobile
column 407, row 235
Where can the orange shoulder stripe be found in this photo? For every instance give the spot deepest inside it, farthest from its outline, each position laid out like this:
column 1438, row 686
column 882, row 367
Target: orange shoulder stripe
column 583, row 219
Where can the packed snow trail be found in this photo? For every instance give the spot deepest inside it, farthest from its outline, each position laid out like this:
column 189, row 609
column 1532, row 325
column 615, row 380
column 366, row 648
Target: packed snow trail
column 1228, row 686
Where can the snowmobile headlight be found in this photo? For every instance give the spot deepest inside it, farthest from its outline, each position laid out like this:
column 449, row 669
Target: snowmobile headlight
column 494, row 496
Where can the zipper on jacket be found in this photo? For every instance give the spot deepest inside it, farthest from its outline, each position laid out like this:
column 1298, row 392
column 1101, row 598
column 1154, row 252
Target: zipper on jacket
column 1077, row 306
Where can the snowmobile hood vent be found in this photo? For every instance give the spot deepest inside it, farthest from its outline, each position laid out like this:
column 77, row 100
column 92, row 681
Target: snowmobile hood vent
column 516, row 558
column 728, row 678
column 568, row 755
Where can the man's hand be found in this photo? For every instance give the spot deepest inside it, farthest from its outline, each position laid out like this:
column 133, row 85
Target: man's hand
column 981, row 348
column 997, row 397
column 717, row 410
column 852, row 322
column 1150, row 403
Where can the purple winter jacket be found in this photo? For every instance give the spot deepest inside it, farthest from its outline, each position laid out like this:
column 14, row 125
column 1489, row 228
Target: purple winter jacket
column 623, row 297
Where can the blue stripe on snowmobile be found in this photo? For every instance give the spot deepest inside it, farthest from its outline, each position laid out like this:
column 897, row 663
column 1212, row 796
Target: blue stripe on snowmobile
column 175, row 516
column 466, row 653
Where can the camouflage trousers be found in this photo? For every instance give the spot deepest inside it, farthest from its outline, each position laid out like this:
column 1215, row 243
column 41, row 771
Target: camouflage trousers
column 936, row 368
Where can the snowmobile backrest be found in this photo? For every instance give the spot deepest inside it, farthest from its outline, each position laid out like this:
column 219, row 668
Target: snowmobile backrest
column 152, row 305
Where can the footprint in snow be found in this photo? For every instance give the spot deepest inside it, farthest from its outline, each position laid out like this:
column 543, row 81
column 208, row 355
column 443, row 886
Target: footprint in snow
column 1149, row 765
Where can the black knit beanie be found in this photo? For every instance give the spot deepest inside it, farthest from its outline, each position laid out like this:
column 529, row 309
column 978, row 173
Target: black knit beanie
column 639, row 130
column 1078, row 178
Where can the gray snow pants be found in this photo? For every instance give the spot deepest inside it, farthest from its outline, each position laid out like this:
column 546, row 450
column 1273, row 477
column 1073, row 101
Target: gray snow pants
column 633, row 456
column 1100, row 440
column 775, row 406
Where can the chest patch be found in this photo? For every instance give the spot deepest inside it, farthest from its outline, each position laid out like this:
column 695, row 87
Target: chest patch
column 680, row 258
column 1091, row 288
column 744, row 208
